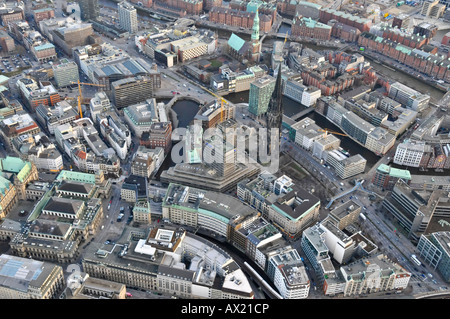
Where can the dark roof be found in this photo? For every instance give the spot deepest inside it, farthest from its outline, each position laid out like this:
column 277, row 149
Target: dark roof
column 76, row 187
column 49, row 227
column 63, row 205
column 187, row 275
column 298, row 207
column 137, row 183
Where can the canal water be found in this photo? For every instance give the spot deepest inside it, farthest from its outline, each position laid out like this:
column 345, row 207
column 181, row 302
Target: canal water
column 284, row 27
column 291, row 107
column 421, row 86
column 185, row 110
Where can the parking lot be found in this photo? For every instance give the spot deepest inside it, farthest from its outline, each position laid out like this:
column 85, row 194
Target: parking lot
column 13, row 63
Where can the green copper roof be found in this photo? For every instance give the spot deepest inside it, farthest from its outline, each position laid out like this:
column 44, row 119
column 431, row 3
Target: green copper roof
column 76, row 176
column 394, row 172
column 12, row 164
column 16, row 165
column 4, row 185
column 403, row 49
column 235, row 42
column 400, row 173
column 383, row 168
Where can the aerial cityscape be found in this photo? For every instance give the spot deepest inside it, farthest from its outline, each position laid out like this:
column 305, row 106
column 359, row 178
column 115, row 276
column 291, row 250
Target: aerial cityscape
column 224, row 149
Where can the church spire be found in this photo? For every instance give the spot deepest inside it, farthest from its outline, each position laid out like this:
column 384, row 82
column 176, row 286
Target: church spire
column 275, row 109
column 255, row 29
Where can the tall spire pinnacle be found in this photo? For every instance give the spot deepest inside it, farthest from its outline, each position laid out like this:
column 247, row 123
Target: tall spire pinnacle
column 255, row 29
column 275, row 110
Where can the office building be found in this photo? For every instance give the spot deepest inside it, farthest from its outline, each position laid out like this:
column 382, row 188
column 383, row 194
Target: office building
column 410, row 98
column 89, row 9
column 360, row 276
column 216, row 170
column 307, row 132
column 65, row 73
column 264, row 190
column 159, row 135
column 142, row 212
column 17, row 125
column 294, row 211
column 412, row 153
column 68, row 33
column 6, row 42
column 10, row 12
column 413, row 209
column 141, row 116
column 432, row 9
column 213, row 113
column 43, row 13
column 386, row 177
column 288, row 274
column 45, row 156
column 142, row 165
column 317, row 253
column 51, row 117
column 343, row 246
column 306, row 95
column 345, row 166
column 345, row 214
column 434, row 250
column 82, row 286
column 35, row 94
column 24, row 278
column 171, row 262
column 105, row 63
column 99, row 104
column 132, row 90
column 260, row 94
column 128, row 17
column 134, row 188
column 212, row 211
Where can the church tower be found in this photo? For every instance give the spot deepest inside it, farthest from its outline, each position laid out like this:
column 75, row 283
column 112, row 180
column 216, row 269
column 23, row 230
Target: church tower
column 255, row 45
column 274, row 115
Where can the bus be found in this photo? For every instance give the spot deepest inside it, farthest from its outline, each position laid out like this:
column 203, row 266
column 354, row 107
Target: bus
column 415, row 260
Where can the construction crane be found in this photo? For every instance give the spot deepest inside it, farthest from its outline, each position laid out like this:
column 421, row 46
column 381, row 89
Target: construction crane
column 331, row 132
column 80, row 96
column 285, row 38
column 222, row 100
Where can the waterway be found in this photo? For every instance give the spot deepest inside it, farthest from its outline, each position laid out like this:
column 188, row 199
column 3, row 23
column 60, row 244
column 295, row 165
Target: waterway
column 185, row 110
column 284, row 27
column 419, row 85
column 291, row 107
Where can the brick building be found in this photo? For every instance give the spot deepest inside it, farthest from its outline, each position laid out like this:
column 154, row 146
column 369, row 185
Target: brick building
column 309, row 28
column 43, row 14
column 6, row 42
column 433, row 65
column 240, row 18
column 343, row 31
column 159, row 135
column 8, row 15
column 326, row 14
column 194, row 7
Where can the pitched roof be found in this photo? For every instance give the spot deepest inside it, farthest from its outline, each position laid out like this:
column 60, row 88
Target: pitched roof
column 235, row 42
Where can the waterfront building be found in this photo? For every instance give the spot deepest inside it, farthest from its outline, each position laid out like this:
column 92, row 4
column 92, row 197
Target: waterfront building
column 127, row 17
column 259, row 96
